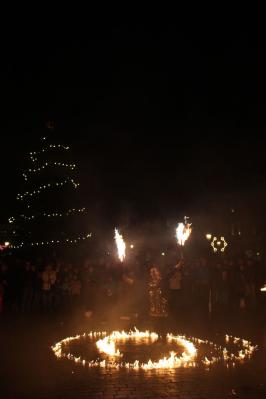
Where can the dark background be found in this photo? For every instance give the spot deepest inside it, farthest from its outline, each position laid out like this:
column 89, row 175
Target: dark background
column 162, row 121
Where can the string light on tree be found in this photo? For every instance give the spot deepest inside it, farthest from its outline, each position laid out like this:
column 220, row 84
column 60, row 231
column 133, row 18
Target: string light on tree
column 52, row 242
column 44, row 215
column 34, row 155
column 47, row 186
column 47, row 164
column 54, row 214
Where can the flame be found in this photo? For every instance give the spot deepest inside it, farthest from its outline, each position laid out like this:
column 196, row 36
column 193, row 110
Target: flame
column 4, row 246
column 183, row 232
column 107, row 345
column 121, row 245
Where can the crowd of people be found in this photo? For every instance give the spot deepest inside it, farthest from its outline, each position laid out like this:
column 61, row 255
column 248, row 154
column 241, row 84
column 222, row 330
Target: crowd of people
column 95, row 287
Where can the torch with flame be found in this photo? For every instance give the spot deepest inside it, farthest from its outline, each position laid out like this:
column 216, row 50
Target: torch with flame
column 183, row 232
column 4, row 246
column 121, row 245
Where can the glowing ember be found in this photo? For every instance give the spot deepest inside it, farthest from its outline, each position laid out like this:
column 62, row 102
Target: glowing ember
column 189, row 357
column 121, row 245
column 183, row 232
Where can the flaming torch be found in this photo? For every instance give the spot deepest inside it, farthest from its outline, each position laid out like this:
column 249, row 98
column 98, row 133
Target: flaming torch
column 183, row 232
column 4, row 246
column 121, row 245
column 263, row 289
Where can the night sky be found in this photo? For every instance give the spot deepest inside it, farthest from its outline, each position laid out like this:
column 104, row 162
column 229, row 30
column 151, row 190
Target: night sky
column 161, row 121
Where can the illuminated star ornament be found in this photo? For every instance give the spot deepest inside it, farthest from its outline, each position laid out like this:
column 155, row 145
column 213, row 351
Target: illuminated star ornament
column 218, row 245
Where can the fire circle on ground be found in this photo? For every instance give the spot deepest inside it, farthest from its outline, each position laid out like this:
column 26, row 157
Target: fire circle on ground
column 234, row 350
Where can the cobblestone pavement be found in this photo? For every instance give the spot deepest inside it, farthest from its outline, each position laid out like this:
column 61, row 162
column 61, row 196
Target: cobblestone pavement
column 30, row 370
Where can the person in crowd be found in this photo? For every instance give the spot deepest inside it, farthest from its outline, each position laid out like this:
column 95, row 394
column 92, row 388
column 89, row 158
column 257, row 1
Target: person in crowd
column 75, row 290
column 3, row 286
column 102, row 285
column 158, row 303
column 48, row 277
column 175, row 288
column 28, row 292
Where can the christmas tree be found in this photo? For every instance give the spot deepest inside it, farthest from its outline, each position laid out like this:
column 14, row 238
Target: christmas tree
column 50, row 210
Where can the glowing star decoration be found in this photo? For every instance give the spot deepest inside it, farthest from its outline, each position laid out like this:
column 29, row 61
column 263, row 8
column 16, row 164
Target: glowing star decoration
column 183, row 232
column 190, row 357
column 121, row 246
column 218, row 245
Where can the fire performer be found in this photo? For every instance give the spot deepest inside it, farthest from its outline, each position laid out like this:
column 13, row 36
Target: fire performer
column 175, row 287
column 158, row 304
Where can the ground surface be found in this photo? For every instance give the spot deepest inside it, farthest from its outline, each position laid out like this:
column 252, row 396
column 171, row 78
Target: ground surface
column 30, row 370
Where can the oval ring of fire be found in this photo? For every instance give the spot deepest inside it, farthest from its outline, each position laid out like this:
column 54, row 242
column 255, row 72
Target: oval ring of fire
column 112, row 358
